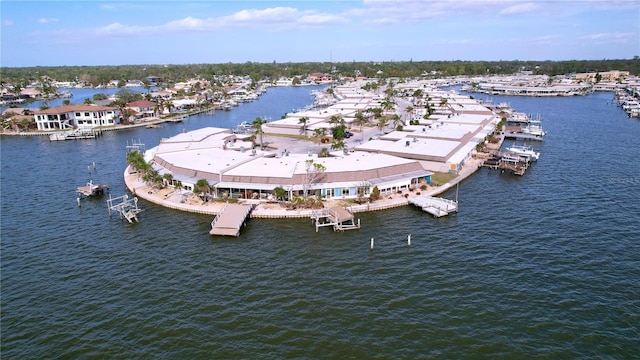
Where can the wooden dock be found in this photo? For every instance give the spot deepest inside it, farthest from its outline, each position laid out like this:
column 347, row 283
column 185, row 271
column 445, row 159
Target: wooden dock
column 230, row 219
column 338, row 217
column 435, row 206
column 92, row 189
column 509, row 162
column 522, row 136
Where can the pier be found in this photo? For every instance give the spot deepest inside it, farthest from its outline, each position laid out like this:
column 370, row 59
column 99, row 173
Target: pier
column 92, row 189
column 435, row 206
column 338, row 217
column 125, row 207
column 77, row 134
column 517, row 135
column 506, row 161
column 230, row 219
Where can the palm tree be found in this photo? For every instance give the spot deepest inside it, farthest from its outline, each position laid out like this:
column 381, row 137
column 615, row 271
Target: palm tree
column 202, row 186
column 178, row 185
column 443, row 102
column 336, row 120
column 257, row 127
column 168, row 105
column 360, row 120
column 397, row 121
column 168, row 178
column 382, row 123
column 387, row 104
column 338, row 145
column 319, row 133
column 409, row 110
column 280, row 193
column 303, row 120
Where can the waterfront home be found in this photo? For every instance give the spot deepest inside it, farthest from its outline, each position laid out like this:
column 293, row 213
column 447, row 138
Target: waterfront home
column 142, row 108
column 75, row 116
column 283, row 81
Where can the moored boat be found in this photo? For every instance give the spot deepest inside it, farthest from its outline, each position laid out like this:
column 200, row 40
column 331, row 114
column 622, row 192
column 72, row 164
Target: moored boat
column 523, row 150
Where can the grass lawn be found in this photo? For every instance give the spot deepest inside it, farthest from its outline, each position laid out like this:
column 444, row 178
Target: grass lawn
column 442, row 178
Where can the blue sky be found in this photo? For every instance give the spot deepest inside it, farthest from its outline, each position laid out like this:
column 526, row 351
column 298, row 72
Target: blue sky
column 54, row 33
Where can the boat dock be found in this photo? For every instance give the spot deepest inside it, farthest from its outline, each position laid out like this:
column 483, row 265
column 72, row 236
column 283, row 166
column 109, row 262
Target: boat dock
column 435, row 206
column 92, row 189
column 230, row 219
column 506, row 161
column 125, row 207
column 77, row 134
column 338, row 217
column 517, row 135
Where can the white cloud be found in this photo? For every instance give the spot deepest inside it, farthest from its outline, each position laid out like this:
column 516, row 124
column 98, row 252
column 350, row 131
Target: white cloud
column 49, row 20
column 7, row 23
column 274, row 18
column 519, row 9
column 616, row 35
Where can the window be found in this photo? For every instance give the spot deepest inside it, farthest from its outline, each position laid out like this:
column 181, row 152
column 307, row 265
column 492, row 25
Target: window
column 78, row 114
column 86, row 114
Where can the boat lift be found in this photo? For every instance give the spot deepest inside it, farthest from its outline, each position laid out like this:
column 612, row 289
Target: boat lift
column 127, row 208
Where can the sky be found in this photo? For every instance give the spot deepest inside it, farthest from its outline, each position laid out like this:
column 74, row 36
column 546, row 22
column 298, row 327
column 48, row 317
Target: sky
column 73, row 33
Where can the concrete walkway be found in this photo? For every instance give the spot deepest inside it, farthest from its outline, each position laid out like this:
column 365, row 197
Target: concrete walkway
column 173, row 199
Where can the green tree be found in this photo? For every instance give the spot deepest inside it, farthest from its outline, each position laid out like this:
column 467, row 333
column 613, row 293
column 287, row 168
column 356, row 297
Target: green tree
column 128, row 96
column 338, row 145
column 397, row 122
column 178, row 185
column 304, row 120
column 409, row 110
column 360, row 120
column 382, row 123
column 202, row 186
column 280, row 193
column 375, row 193
column 258, row 131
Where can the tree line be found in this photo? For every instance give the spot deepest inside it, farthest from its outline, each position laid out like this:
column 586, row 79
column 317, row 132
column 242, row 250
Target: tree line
column 96, row 75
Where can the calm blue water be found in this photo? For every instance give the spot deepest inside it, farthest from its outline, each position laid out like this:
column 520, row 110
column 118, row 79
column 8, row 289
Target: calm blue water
column 541, row 266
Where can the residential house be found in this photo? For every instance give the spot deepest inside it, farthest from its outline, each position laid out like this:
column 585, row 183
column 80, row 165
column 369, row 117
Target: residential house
column 143, row 108
column 75, row 116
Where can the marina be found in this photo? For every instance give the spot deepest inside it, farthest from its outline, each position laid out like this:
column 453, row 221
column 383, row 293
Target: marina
column 528, row 258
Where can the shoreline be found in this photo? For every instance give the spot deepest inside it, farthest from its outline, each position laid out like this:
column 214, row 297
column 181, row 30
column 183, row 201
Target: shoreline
column 99, row 129
column 169, row 198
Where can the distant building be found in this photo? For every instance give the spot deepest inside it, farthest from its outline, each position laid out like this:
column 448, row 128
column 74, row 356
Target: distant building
column 154, row 80
column 613, row 75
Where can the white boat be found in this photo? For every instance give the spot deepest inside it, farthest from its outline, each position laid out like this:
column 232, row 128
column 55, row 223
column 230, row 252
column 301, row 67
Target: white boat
column 534, row 128
column 523, row 150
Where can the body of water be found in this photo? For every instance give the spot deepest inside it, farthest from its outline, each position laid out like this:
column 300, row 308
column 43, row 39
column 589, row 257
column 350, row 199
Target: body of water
column 541, row 266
